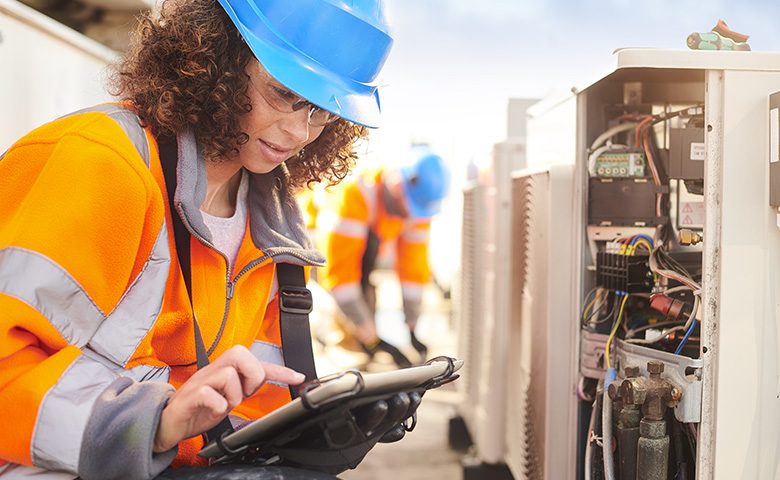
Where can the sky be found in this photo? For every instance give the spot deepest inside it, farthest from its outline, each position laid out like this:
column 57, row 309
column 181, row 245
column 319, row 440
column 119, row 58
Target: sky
column 455, row 64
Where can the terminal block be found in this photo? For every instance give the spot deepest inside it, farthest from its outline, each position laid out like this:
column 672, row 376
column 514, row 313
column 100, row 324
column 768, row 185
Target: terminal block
column 624, row 273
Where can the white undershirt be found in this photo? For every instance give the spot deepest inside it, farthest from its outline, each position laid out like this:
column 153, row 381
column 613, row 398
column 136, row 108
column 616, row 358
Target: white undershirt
column 228, row 233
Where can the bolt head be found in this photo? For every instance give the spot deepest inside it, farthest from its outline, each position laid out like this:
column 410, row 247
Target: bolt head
column 654, row 367
column 676, row 394
column 613, row 392
column 631, row 372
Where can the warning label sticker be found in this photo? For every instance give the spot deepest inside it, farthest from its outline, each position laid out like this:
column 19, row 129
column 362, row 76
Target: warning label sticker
column 691, row 214
column 697, row 151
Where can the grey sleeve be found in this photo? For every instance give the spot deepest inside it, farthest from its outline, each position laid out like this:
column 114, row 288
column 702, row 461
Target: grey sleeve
column 120, row 432
column 356, row 309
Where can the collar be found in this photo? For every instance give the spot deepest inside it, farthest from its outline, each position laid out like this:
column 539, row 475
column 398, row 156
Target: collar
column 275, row 220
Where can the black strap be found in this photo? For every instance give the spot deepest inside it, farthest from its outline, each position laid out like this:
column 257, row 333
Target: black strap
column 168, row 158
column 295, row 304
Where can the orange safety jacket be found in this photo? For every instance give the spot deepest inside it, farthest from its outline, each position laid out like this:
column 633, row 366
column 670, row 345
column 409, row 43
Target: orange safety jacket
column 95, row 320
column 349, row 212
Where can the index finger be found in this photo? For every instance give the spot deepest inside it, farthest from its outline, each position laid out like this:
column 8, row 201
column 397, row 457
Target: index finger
column 282, row 374
column 250, row 370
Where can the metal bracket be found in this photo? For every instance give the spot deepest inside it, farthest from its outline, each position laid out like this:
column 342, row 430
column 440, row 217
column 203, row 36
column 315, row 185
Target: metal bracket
column 682, row 371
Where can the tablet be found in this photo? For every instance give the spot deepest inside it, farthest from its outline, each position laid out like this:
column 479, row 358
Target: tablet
column 347, row 385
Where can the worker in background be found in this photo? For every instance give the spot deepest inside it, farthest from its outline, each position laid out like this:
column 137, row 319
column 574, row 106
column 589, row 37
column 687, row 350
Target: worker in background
column 98, row 374
column 389, row 205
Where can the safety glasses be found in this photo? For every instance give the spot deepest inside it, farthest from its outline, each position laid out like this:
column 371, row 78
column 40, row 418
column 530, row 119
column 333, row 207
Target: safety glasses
column 285, row 101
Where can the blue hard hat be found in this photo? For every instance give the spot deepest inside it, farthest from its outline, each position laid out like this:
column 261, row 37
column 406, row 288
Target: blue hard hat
column 426, row 180
column 329, row 52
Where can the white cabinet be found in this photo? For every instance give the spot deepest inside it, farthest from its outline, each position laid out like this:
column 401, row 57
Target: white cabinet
column 48, row 70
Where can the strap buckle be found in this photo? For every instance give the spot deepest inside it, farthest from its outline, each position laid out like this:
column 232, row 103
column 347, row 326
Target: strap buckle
column 296, row 300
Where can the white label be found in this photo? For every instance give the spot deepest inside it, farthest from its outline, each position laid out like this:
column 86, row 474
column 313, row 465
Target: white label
column 774, row 135
column 697, row 151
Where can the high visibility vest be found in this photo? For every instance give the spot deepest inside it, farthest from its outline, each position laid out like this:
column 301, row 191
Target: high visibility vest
column 90, row 290
column 350, row 211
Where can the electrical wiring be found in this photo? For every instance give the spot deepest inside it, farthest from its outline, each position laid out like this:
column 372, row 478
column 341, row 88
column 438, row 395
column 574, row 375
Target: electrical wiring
column 609, row 315
column 690, row 325
column 644, row 237
column 666, row 333
column 581, row 391
column 598, row 292
column 685, row 338
column 671, row 264
column 634, row 331
column 642, row 243
column 615, row 328
column 680, row 288
column 676, row 276
column 592, row 437
column 601, row 139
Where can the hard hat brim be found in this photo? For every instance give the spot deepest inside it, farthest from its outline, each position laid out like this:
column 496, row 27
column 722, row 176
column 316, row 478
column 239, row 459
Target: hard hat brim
column 352, row 100
column 417, row 210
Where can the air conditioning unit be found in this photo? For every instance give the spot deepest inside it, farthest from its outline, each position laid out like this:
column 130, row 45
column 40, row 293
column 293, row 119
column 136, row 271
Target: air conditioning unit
column 541, row 415
column 486, row 302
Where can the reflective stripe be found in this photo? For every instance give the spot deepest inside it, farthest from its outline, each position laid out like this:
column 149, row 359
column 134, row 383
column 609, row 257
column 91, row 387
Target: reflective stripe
column 13, row 471
column 64, row 412
column 331, row 222
column 139, row 307
column 351, row 228
column 128, row 121
column 411, row 290
column 415, row 235
column 45, row 286
column 347, row 292
column 141, row 373
column 268, row 352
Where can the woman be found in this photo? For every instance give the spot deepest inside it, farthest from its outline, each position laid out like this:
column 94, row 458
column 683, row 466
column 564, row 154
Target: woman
column 98, row 370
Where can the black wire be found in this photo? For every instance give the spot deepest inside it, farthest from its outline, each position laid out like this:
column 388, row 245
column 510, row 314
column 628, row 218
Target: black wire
column 609, row 315
column 586, row 302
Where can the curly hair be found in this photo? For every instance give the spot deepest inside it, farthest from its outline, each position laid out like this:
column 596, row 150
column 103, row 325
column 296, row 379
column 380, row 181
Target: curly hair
column 187, row 67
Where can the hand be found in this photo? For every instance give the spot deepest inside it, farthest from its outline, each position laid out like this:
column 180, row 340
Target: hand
column 213, row 391
column 387, row 416
column 352, row 434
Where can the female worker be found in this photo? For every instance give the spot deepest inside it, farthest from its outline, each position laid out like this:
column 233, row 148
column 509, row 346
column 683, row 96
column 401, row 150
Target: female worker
column 98, row 318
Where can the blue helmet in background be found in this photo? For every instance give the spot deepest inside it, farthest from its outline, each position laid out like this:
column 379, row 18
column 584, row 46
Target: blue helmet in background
column 426, row 180
column 329, row 52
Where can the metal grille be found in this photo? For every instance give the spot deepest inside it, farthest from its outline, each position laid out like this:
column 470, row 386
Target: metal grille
column 470, row 294
column 540, row 416
column 525, row 415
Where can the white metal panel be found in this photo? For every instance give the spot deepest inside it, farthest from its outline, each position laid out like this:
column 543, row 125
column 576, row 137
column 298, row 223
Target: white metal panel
column 551, row 131
column 743, row 321
column 696, row 59
column 47, row 70
column 470, row 301
column 541, row 412
column 490, row 410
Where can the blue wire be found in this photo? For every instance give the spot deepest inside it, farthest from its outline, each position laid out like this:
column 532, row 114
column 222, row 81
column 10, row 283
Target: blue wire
column 640, row 236
column 685, row 338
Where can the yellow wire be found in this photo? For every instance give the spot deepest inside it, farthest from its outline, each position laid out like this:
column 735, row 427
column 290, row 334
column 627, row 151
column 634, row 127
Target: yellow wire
column 596, row 297
column 614, row 331
column 644, row 243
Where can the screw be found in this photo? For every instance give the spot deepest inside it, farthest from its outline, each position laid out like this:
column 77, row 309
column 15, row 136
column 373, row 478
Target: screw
column 631, row 372
column 655, row 368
